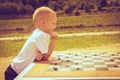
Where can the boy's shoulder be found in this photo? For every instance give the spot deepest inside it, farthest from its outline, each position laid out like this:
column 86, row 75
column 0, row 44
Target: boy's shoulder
column 39, row 33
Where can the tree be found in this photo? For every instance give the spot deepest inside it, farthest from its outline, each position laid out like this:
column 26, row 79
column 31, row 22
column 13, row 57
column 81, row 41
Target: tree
column 34, row 3
column 69, row 9
column 44, row 2
column 28, row 9
column 103, row 3
column 2, row 1
column 77, row 13
column 10, row 9
column 2, row 7
column 25, row 2
column 87, row 8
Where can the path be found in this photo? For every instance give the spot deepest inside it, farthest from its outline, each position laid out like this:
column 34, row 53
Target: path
column 5, row 61
column 64, row 35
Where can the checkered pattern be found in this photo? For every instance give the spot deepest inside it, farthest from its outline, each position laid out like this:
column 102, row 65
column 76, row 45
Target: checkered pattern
column 85, row 61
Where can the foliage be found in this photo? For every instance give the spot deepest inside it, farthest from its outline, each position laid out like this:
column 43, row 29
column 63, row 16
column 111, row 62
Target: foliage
column 28, row 9
column 67, row 22
column 68, row 6
column 8, row 8
column 12, row 48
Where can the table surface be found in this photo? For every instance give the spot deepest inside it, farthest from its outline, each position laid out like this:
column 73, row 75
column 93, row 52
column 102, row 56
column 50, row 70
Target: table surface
column 42, row 70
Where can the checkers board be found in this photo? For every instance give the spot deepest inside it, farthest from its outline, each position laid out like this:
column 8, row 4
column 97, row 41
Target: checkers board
column 75, row 64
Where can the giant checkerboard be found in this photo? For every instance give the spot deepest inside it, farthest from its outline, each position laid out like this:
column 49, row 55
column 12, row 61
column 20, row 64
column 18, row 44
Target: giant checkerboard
column 75, row 64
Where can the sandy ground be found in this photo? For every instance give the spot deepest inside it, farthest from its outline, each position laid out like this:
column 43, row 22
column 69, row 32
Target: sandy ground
column 64, row 35
column 5, row 61
column 110, row 47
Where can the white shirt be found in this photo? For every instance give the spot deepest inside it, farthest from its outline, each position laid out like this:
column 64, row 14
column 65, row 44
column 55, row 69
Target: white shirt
column 39, row 40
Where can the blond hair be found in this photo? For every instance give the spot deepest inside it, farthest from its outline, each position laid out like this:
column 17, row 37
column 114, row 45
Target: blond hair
column 42, row 13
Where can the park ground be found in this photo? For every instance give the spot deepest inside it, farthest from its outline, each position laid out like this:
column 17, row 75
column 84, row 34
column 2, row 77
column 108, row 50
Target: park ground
column 73, row 24
column 5, row 61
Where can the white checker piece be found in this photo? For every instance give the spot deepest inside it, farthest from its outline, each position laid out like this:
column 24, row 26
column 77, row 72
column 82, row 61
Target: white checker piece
column 85, row 62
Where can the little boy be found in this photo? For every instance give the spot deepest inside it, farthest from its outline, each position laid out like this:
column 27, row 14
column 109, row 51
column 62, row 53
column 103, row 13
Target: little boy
column 37, row 46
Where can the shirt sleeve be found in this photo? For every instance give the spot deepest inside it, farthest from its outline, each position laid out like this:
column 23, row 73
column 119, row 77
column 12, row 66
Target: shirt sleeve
column 41, row 43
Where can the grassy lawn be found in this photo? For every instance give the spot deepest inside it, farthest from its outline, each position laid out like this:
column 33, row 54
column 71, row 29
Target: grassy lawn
column 84, row 20
column 16, row 34
column 71, row 24
column 99, row 19
column 86, row 41
column 66, row 31
column 11, row 48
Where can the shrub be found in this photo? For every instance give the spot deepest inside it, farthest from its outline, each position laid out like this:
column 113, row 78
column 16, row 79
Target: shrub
column 2, row 7
column 69, row 9
column 76, row 13
column 10, row 9
column 28, row 9
column 87, row 9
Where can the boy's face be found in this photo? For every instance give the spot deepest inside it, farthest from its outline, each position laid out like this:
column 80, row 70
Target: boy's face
column 50, row 23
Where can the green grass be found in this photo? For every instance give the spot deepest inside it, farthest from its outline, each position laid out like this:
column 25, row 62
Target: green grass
column 101, row 19
column 12, row 48
column 94, row 22
column 13, row 23
column 88, row 29
column 67, row 31
column 86, row 41
column 15, row 35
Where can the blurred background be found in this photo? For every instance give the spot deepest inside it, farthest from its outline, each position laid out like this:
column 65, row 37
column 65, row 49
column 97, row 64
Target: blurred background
column 71, row 13
column 74, row 17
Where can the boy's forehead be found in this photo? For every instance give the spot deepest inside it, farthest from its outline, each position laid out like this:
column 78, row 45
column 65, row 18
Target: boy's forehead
column 44, row 13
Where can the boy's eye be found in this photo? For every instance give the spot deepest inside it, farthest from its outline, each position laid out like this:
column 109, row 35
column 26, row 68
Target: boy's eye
column 54, row 23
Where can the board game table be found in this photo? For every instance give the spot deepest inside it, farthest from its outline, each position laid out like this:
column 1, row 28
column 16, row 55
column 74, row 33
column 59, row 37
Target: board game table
column 75, row 65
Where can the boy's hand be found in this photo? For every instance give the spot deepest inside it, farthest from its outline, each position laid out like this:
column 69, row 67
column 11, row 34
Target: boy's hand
column 38, row 55
column 54, row 35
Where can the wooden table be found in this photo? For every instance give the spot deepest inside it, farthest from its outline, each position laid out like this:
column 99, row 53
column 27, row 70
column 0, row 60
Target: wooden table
column 39, row 71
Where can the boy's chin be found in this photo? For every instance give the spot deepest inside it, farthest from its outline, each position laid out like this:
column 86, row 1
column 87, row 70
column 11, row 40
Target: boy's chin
column 49, row 32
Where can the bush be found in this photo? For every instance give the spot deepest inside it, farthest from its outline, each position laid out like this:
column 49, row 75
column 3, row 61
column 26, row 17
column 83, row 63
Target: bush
column 2, row 7
column 10, row 9
column 87, row 9
column 28, row 9
column 76, row 13
column 69, row 9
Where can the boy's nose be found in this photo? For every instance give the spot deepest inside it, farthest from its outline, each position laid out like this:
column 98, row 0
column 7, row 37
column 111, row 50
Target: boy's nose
column 54, row 27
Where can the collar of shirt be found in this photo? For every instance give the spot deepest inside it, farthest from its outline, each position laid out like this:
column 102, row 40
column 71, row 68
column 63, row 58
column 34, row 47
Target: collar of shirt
column 42, row 32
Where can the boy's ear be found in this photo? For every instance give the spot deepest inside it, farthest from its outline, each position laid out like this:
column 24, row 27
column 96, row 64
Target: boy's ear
column 42, row 22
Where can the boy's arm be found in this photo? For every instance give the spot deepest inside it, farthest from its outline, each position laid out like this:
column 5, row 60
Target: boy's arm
column 38, row 55
column 54, row 37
